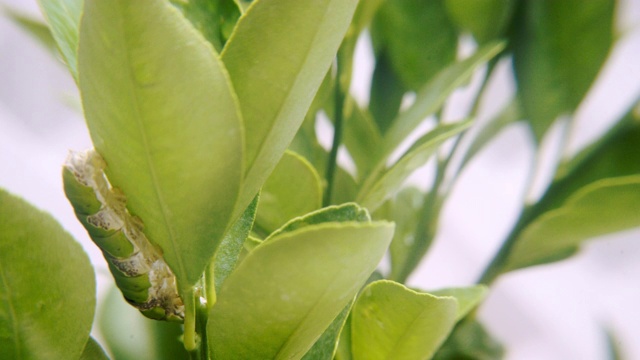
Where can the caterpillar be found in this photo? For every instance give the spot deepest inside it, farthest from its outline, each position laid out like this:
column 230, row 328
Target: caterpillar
column 140, row 272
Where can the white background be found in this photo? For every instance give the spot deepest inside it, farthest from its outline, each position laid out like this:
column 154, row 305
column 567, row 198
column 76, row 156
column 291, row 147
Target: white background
column 556, row 311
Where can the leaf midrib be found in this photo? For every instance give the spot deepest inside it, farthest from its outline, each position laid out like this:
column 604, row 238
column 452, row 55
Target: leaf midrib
column 140, row 126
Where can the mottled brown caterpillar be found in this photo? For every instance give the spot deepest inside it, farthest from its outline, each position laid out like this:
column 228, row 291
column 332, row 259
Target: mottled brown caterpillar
column 140, row 272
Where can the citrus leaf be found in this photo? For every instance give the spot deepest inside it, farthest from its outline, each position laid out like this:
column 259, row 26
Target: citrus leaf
column 63, row 17
column 433, row 95
column 325, row 347
column 468, row 297
column 602, row 207
column 215, row 19
column 293, row 189
column 277, row 57
column 93, row 351
column 383, row 184
column 558, row 50
column 47, row 286
column 418, row 38
column 158, row 105
column 231, row 246
column 486, row 20
column 392, row 321
column 296, row 284
column 469, row 340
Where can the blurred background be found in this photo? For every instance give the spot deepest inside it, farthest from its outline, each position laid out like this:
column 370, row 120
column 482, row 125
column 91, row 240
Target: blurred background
column 557, row 311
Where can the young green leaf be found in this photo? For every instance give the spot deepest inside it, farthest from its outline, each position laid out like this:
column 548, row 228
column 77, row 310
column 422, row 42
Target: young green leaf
column 468, row 297
column 361, row 137
column 215, row 19
column 277, row 57
column 600, row 208
column 296, row 284
column 469, row 340
column 559, row 48
column 325, row 347
column 47, row 286
column 384, row 183
column 335, row 213
column 486, row 20
column 404, row 210
column 433, row 95
column 231, row 246
column 93, row 351
column 392, row 321
column 63, row 17
column 158, row 105
column 293, row 189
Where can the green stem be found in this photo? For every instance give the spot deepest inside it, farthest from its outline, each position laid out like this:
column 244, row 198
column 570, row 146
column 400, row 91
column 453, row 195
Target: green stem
column 337, row 136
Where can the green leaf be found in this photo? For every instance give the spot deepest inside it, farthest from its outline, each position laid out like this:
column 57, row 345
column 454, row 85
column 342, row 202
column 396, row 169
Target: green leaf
column 296, row 284
column 404, row 210
column 386, row 93
column 159, row 107
column 468, row 297
column 600, row 208
column 215, row 19
column 385, row 183
column 293, row 189
column 486, row 20
column 392, row 321
column 63, row 17
column 34, row 27
column 417, row 36
column 47, row 286
column 93, row 351
column 361, row 137
column 334, row 213
column 325, row 347
column 469, row 340
column 433, row 95
column 274, row 90
column 130, row 335
column 231, row 246
column 558, row 50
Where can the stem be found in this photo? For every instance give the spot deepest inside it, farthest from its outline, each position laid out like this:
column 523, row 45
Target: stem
column 337, row 135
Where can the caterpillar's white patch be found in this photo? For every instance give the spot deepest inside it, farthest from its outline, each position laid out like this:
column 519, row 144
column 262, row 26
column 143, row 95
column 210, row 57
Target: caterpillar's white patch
column 88, row 169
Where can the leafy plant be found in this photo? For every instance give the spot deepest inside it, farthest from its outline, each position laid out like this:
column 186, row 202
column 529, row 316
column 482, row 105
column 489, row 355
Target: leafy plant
column 216, row 207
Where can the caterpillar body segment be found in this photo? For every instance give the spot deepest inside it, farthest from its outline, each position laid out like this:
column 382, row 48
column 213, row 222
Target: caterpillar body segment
column 140, row 272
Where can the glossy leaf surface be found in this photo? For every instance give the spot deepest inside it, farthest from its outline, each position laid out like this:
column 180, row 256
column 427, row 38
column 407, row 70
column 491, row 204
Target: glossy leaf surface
column 47, row 286
column 158, row 105
column 296, row 284
column 390, row 321
column 276, row 73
